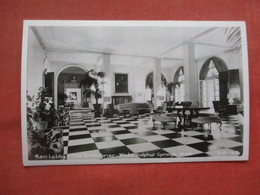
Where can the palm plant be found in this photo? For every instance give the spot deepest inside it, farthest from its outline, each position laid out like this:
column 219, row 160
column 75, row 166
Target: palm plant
column 91, row 84
column 233, row 37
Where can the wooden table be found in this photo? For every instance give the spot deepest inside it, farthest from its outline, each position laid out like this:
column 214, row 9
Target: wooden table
column 185, row 114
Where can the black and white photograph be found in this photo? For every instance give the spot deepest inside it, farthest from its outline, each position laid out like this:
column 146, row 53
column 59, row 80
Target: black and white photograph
column 116, row 92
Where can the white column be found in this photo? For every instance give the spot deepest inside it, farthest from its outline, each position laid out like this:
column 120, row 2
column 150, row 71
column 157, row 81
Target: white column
column 156, row 80
column 190, row 74
column 108, row 79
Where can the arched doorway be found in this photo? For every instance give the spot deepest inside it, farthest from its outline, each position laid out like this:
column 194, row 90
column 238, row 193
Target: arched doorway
column 69, row 92
column 210, row 81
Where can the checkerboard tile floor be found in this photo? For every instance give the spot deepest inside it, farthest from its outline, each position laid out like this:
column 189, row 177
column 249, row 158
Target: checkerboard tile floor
column 101, row 138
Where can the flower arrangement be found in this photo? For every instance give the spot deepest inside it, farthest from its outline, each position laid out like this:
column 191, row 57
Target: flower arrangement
column 40, row 111
column 45, row 137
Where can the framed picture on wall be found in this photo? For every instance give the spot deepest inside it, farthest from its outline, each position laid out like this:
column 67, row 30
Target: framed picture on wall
column 121, row 83
column 73, row 95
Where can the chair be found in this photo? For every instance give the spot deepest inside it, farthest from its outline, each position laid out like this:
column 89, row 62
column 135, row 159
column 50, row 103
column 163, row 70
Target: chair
column 186, row 104
column 161, row 109
column 110, row 111
column 207, row 119
column 220, row 108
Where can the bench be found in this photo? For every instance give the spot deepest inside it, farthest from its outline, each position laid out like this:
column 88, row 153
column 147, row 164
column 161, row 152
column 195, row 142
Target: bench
column 207, row 120
column 164, row 119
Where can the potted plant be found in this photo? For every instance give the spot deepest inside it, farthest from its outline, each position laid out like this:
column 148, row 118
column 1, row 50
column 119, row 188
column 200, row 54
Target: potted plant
column 40, row 112
column 92, row 86
column 45, row 138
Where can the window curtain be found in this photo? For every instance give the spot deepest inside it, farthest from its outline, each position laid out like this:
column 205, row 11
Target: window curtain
column 175, row 78
column 219, row 64
column 176, row 75
column 149, row 81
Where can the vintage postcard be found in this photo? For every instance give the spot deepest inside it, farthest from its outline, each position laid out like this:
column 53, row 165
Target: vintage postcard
column 113, row 92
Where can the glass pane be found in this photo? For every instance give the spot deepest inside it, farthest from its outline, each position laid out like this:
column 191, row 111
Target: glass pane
column 215, row 71
column 210, row 73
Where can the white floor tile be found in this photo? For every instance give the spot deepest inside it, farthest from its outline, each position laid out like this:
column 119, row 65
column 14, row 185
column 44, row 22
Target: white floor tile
column 224, row 152
column 78, row 127
column 79, row 132
column 143, row 147
column 101, row 134
column 187, row 140
column 126, row 136
column 93, row 154
column 80, row 141
column 226, row 143
column 182, row 151
column 153, row 138
column 109, row 144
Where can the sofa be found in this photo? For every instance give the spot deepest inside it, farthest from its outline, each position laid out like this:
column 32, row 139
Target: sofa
column 134, row 108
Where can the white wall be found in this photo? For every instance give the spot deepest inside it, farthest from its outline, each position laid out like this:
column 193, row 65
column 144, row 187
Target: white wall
column 35, row 65
column 137, row 74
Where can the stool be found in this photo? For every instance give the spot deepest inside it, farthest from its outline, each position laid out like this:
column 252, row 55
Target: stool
column 207, row 120
column 163, row 119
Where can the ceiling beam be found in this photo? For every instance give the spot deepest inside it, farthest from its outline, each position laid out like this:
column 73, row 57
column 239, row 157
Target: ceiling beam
column 37, row 36
column 184, row 42
column 215, row 54
column 213, row 45
column 77, row 51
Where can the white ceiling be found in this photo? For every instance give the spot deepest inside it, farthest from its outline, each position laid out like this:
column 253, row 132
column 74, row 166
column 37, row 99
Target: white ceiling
column 127, row 45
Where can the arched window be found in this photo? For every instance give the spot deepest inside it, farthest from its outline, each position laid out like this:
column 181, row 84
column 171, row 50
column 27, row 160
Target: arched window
column 149, row 85
column 209, row 81
column 179, row 87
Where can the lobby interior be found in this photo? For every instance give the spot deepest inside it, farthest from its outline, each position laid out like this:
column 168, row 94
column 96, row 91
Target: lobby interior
column 148, row 72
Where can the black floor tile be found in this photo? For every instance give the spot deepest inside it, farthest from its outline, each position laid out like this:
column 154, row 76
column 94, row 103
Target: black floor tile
column 93, row 125
column 120, row 132
column 205, row 137
column 78, row 129
column 146, row 133
column 130, row 141
column 131, row 127
column 155, row 154
column 115, row 152
column 198, row 155
column 81, row 148
column 172, row 135
column 236, row 139
column 238, row 149
column 104, row 139
column 72, row 137
column 114, row 126
column 166, row 143
column 97, row 130
column 77, row 124
column 153, row 128
column 202, row 146
column 121, row 122
column 65, row 143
